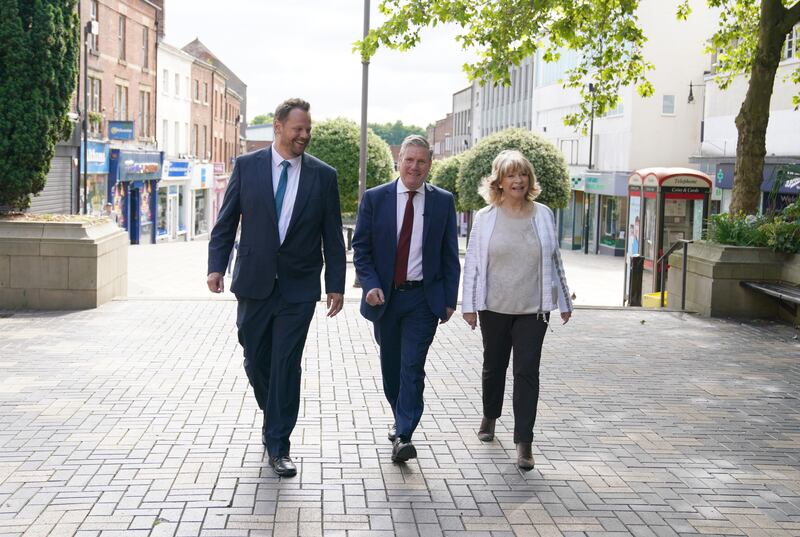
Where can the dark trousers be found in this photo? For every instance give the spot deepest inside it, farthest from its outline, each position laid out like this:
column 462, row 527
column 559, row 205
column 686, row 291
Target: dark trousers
column 524, row 334
column 273, row 333
column 404, row 332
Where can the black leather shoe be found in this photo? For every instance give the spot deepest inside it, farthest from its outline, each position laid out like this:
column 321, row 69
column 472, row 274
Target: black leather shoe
column 392, row 432
column 402, row 450
column 264, row 431
column 283, row 466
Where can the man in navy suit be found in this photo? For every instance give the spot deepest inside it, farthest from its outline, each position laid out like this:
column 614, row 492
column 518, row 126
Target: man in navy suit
column 406, row 257
column 288, row 203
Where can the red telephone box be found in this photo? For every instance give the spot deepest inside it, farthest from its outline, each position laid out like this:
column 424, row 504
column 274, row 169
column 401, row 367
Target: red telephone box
column 665, row 205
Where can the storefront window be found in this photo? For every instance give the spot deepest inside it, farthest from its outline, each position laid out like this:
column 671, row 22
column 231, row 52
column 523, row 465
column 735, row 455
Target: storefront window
column 145, row 213
column 181, row 218
column 649, row 232
column 567, row 221
column 162, row 212
column 96, row 187
column 201, row 216
column 612, row 218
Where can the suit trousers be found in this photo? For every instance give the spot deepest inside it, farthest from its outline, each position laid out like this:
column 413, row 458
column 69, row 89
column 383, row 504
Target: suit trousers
column 404, row 332
column 524, row 334
column 272, row 333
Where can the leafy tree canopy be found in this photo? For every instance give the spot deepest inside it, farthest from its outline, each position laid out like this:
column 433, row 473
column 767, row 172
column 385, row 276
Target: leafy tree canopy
column 336, row 141
column 444, row 174
column 548, row 163
column 39, row 50
column 262, row 119
column 395, row 133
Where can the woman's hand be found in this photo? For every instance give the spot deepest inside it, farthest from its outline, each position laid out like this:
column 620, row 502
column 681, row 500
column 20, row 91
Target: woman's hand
column 471, row 319
column 565, row 315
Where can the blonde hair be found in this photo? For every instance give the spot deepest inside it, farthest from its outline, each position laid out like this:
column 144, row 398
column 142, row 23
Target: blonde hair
column 507, row 162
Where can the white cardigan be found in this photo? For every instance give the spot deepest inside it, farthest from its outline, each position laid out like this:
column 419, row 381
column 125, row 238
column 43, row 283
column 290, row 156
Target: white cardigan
column 555, row 293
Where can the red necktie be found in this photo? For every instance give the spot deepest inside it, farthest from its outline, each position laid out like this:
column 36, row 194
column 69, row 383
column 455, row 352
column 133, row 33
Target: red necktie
column 404, row 242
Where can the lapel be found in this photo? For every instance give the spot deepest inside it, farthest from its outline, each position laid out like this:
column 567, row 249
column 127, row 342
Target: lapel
column 427, row 212
column 264, row 186
column 390, row 207
column 307, row 176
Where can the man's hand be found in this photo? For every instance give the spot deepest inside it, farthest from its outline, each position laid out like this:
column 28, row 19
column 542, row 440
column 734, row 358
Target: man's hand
column 335, row 303
column 449, row 312
column 471, row 319
column 216, row 282
column 565, row 315
column 375, row 297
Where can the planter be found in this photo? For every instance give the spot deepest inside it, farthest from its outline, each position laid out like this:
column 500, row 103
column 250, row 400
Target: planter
column 61, row 265
column 713, row 275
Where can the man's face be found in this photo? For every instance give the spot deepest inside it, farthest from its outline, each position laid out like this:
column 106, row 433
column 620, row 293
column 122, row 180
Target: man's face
column 414, row 166
column 293, row 134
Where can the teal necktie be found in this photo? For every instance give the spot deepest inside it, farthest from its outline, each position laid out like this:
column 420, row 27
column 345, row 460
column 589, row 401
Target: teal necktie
column 279, row 194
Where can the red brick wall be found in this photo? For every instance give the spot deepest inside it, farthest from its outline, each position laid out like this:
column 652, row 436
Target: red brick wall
column 202, row 75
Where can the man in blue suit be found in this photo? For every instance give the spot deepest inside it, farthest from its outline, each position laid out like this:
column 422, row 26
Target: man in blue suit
column 288, row 204
column 406, row 257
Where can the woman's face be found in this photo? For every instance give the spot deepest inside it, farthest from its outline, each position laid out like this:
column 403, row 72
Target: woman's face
column 515, row 185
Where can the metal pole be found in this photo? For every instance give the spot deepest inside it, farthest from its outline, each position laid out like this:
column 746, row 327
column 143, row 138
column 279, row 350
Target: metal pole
column 663, row 278
column 362, row 150
column 683, row 271
column 585, row 191
column 85, row 115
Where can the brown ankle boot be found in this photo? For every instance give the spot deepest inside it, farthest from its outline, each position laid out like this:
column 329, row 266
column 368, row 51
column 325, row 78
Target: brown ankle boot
column 486, row 431
column 525, row 456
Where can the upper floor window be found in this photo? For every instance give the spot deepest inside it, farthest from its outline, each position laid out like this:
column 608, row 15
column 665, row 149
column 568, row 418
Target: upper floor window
column 145, row 47
column 790, row 48
column 121, row 38
column 668, row 105
column 177, row 85
column 165, row 82
column 93, row 14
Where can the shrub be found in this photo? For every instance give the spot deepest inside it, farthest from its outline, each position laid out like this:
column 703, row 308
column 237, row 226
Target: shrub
column 780, row 233
column 444, row 174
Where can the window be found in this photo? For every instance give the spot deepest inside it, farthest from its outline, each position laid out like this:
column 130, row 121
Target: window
column 194, row 139
column 121, row 38
column 93, row 9
column 165, row 136
column 188, row 95
column 177, row 85
column 668, row 105
column 144, row 113
column 94, row 105
column 121, row 102
column 205, row 142
column 205, row 92
column 145, row 47
column 569, row 148
column 165, row 83
column 178, row 137
column 790, row 49
column 196, row 90
column 187, row 138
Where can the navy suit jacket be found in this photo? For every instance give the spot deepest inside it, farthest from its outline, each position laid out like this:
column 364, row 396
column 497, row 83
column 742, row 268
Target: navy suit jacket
column 297, row 263
column 375, row 248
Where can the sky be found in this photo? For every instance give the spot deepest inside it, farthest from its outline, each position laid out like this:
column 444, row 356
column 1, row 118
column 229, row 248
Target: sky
column 303, row 48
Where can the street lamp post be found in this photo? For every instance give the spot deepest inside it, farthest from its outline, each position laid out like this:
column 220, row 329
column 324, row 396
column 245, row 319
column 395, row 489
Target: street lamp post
column 589, row 167
column 362, row 149
column 90, row 29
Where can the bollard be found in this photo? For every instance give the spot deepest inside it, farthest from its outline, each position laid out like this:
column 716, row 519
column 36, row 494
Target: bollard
column 635, row 281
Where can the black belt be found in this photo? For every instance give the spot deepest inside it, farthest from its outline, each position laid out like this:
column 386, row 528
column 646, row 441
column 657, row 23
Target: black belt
column 408, row 285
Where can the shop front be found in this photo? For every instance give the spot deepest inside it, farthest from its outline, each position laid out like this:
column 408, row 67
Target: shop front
column 173, row 207
column 133, row 186
column 201, row 202
column 605, row 212
column 570, row 221
column 220, row 185
column 96, row 170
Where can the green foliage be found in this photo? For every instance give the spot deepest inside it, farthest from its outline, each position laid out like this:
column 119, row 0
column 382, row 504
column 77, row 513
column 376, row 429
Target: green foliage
column 395, row 133
column 336, row 141
column 505, row 32
column 444, row 174
column 39, row 50
column 548, row 164
column 262, row 119
column 781, row 232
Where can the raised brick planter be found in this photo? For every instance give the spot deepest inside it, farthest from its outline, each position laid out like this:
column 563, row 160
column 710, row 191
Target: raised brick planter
column 61, row 265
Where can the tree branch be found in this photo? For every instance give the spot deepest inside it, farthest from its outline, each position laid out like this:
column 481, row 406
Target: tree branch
column 791, row 17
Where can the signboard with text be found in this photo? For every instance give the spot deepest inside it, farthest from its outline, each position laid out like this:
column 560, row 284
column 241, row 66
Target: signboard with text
column 120, row 130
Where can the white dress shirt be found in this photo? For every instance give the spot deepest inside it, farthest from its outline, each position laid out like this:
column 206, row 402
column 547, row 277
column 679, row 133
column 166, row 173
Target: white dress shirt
column 291, row 188
column 415, row 249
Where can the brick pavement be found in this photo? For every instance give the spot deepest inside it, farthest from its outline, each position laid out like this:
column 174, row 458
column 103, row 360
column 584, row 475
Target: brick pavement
column 136, row 419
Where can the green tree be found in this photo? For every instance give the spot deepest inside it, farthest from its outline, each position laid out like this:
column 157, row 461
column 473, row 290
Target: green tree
column 395, row 133
column 262, row 119
column 444, row 174
column 39, row 50
column 548, row 162
column 749, row 40
column 336, row 141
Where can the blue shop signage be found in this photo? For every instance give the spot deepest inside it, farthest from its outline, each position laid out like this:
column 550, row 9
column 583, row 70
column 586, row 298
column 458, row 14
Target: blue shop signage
column 178, row 169
column 96, row 157
column 120, row 130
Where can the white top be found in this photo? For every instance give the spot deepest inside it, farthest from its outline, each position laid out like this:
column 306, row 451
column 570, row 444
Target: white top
column 414, row 272
column 291, row 188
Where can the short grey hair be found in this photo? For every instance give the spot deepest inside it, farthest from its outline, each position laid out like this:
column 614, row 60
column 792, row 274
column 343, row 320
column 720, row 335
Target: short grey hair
column 418, row 141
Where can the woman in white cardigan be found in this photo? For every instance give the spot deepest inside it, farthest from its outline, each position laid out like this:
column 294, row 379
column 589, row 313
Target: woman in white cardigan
column 513, row 279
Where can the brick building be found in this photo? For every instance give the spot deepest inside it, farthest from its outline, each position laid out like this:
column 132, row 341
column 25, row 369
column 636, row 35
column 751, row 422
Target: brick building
column 201, row 129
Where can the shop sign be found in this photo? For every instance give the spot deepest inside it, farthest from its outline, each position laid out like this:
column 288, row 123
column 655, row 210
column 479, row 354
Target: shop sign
column 219, row 168
column 578, row 183
column 202, row 175
column 177, row 168
column 142, row 167
column 689, row 181
column 606, row 185
column 120, row 130
column 96, row 157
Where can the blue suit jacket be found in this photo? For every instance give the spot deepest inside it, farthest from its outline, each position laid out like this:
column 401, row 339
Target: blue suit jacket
column 375, row 248
column 316, row 221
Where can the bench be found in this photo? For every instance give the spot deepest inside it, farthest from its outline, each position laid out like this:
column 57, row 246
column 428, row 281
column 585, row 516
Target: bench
column 788, row 295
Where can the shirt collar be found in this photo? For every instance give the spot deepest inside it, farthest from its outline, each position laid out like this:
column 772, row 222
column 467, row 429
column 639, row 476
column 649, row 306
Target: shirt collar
column 401, row 188
column 277, row 158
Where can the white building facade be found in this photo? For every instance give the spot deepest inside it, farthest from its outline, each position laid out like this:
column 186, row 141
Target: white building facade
column 173, row 117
